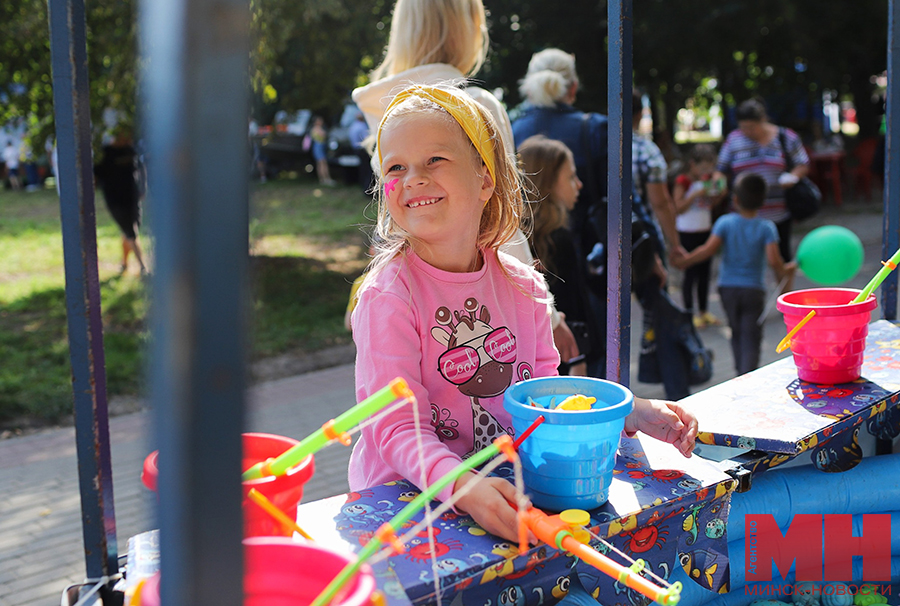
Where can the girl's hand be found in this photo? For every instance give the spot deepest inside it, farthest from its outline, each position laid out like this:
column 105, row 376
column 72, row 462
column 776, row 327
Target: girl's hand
column 564, row 340
column 489, row 503
column 578, row 370
column 666, row 421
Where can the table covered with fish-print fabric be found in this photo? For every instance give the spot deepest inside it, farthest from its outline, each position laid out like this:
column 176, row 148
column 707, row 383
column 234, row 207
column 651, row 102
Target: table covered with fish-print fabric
column 665, row 509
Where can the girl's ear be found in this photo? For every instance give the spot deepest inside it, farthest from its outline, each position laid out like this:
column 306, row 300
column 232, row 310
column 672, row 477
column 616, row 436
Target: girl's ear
column 487, row 186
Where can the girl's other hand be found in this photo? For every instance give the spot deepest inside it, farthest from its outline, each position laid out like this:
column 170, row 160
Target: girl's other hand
column 565, row 340
column 489, row 503
column 666, row 421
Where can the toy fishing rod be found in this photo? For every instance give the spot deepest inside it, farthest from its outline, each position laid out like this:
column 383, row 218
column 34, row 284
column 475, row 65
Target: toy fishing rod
column 886, row 268
column 387, row 532
column 566, row 533
column 334, row 429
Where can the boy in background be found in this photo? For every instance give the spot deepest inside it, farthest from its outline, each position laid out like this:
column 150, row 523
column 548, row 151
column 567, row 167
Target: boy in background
column 748, row 243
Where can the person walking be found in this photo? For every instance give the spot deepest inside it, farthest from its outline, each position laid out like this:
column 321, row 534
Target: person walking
column 319, row 137
column 11, row 159
column 696, row 194
column 748, row 242
column 763, row 148
column 116, row 174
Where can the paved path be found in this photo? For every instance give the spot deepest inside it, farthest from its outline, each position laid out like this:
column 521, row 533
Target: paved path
column 40, row 518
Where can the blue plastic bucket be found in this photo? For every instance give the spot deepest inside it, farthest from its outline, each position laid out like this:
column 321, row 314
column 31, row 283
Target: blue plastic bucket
column 567, row 463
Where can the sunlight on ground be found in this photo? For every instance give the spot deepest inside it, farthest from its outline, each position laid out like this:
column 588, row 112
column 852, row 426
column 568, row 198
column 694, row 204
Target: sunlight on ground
column 342, row 258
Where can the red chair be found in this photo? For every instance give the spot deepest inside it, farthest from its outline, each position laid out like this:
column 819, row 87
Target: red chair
column 863, row 155
column 826, row 171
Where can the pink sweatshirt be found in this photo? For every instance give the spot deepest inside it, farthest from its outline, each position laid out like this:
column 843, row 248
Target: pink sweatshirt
column 459, row 340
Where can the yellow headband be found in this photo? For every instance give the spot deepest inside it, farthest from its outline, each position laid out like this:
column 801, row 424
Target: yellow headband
column 464, row 110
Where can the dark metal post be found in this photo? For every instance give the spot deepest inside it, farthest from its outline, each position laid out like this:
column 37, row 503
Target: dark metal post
column 618, row 348
column 71, row 104
column 890, row 241
column 196, row 84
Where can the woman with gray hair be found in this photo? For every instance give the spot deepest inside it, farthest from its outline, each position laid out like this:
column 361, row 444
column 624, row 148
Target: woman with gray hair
column 549, row 89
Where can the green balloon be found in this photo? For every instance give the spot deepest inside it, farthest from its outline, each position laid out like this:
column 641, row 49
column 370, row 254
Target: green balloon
column 830, row 255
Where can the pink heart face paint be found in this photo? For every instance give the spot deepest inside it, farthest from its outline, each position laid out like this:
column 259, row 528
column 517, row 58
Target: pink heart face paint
column 390, row 186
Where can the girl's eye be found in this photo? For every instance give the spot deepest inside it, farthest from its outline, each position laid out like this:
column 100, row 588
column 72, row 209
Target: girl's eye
column 435, row 159
column 394, row 168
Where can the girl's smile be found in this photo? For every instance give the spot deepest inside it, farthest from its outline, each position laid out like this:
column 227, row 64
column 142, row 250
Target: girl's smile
column 436, row 186
column 416, row 203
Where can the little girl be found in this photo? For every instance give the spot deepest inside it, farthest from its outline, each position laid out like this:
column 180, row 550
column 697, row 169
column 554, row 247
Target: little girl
column 549, row 166
column 442, row 308
column 695, row 196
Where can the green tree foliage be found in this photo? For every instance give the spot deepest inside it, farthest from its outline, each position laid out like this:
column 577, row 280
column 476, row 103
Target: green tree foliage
column 311, row 53
column 786, row 51
column 26, row 88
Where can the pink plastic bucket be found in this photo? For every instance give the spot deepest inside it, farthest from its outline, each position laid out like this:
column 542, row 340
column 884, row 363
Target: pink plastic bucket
column 281, row 572
column 830, row 347
column 284, row 491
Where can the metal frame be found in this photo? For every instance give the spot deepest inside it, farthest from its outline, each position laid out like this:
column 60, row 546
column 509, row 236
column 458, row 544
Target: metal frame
column 197, row 99
column 619, row 76
column 196, row 95
column 71, row 105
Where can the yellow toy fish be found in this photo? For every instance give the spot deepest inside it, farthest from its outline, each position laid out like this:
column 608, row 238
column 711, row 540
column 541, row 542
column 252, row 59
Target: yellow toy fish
column 576, row 402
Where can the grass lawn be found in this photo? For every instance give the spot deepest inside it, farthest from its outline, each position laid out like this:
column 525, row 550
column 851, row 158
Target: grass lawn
column 306, row 243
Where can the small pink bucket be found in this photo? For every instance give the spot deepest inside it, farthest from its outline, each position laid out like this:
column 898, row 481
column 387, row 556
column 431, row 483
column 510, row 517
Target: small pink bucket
column 284, row 491
column 281, row 572
column 829, row 348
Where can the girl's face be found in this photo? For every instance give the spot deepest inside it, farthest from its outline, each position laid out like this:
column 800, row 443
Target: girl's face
column 435, row 186
column 565, row 190
column 699, row 170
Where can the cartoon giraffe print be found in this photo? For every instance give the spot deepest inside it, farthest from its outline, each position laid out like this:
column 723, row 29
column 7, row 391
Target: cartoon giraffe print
column 478, row 360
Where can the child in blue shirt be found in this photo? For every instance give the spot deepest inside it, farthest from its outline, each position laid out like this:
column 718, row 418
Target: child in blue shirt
column 748, row 243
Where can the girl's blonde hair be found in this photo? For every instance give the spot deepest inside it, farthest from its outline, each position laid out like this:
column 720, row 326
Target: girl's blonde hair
column 551, row 73
column 435, row 31
column 541, row 160
column 501, row 214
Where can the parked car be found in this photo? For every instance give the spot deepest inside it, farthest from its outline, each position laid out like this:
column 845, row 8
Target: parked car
column 340, row 150
column 281, row 144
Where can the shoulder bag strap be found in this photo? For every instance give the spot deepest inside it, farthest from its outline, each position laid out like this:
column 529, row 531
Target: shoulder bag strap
column 788, row 161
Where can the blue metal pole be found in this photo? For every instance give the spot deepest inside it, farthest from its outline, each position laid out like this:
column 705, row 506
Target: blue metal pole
column 890, row 240
column 891, row 227
column 71, row 105
column 196, row 84
column 618, row 348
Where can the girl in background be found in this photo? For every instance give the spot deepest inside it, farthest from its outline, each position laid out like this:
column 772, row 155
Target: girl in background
column 319, row 137
column 696, row 194
column 550, row 168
